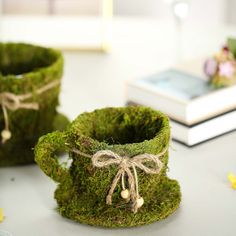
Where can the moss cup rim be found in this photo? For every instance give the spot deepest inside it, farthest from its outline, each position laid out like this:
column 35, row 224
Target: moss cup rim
column 34, row 71
column 162, row 132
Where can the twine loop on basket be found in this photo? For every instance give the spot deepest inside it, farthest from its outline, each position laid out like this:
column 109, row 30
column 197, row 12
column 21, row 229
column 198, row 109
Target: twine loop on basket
column 127, row 167
column 13, row 102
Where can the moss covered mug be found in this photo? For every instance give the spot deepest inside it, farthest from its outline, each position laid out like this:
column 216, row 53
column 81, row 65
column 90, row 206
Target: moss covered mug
column 29, row 88
column 117, row 177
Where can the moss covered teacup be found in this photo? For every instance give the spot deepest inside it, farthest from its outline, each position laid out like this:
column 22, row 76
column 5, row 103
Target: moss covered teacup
column 118, row 173
column 29, row 88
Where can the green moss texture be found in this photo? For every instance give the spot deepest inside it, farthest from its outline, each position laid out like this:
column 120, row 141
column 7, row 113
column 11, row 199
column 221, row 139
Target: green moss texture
column 82, row 190
column 25, row 68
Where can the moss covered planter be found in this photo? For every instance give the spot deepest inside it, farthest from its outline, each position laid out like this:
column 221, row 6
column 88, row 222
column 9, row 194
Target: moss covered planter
column 83, row 190
column 29, row 88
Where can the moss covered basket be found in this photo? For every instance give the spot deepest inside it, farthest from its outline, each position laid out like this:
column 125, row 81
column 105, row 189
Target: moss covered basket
column 84, row 187
column 29, row 88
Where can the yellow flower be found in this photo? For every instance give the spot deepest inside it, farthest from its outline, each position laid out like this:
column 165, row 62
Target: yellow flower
column 1, row 215
column 232, row 179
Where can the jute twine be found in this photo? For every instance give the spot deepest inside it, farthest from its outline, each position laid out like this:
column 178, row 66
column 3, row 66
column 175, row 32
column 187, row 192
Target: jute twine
column 13, row 102
column 126, row 167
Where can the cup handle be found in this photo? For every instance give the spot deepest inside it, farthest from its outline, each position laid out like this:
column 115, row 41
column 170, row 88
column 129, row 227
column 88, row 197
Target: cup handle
column 46, row 158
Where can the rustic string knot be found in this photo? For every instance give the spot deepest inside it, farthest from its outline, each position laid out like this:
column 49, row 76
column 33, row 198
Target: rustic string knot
column 13, row 102
column 105, row 158
column 124, row 162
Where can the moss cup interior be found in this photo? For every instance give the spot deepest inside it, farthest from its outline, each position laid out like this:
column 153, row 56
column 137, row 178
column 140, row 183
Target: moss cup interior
column 16, row 59
column 128, row 126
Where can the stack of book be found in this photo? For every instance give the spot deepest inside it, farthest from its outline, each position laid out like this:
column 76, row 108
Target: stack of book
column 198, row 112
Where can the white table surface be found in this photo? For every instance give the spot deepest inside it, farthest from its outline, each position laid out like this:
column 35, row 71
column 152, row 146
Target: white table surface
column 94, row 80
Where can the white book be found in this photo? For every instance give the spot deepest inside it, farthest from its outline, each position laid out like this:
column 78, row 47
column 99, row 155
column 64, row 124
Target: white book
column 186, row 98
column 203, row 131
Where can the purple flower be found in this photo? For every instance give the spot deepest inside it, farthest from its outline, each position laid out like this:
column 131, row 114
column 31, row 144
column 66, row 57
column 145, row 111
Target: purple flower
column 226, row 69
column 210, row 67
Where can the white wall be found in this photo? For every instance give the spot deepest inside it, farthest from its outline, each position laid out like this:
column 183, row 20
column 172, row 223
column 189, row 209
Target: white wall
column 25, row 6
column 231, row 9
column 156, row 8
column 91, row 7
column 207, row 11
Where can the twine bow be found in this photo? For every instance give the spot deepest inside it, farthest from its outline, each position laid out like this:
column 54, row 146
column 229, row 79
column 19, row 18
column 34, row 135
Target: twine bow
column 13, row 102
column 127, row 167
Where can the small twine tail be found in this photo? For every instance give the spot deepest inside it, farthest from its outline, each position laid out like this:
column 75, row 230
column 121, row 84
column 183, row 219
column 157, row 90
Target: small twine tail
column 108, row 200
column 113, row 186
column 132, row 189
column 6, row 133
column 135, row 205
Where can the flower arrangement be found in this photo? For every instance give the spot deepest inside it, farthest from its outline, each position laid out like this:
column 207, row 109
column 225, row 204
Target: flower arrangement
column 221, row 68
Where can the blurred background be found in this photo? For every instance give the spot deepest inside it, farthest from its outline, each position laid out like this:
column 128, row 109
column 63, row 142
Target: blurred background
column 105, row 42
column 77, row 18
column 210, row 11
